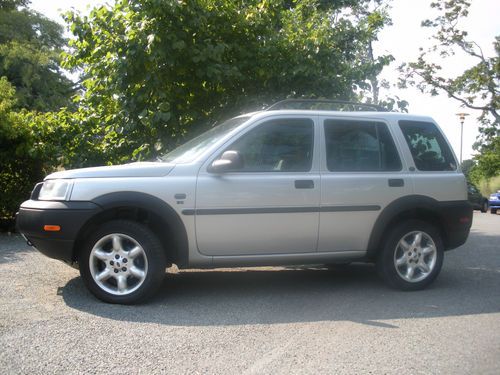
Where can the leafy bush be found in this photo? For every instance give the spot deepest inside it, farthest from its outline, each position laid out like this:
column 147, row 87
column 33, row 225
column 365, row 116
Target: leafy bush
column 21, row 161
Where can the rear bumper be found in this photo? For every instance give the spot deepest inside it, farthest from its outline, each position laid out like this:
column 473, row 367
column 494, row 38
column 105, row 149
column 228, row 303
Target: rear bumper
column 70, row 216
column 457, row 221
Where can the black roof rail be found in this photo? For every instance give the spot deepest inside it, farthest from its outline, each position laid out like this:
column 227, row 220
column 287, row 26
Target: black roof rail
column 320, row 104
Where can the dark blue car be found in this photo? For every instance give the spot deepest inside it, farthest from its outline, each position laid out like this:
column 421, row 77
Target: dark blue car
column 494, row 202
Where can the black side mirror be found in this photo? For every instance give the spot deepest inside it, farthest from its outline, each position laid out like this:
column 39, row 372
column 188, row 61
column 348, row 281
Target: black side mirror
column 230, row 160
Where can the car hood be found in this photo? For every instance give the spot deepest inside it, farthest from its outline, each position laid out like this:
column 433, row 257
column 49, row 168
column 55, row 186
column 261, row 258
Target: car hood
column 142, row 169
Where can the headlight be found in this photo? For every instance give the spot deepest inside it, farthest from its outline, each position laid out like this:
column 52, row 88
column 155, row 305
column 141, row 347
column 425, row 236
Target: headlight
column 57, row 190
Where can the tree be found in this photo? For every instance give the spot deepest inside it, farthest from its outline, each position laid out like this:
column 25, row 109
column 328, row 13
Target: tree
column 371, row 18
column 32, row 140
column 156, row 72
column 477, row 88
column 30, row 48
column 13, row 4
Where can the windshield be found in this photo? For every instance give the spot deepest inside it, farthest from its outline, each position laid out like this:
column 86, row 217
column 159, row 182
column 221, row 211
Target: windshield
column 196, row 146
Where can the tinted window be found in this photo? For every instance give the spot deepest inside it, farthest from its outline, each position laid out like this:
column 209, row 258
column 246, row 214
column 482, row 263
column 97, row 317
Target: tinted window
column 284, row 145
column 427, row 145
column 353, row 145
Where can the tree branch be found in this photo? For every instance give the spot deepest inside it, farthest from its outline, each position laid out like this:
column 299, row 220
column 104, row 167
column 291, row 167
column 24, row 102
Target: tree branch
column 456, row 97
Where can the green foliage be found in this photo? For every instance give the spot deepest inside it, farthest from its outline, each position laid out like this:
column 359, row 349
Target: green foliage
column 490, row 185
column 156, row 72
column 33, row 144
column 31, row 80
column 476, row 88
column 13, row 4
column 486, row 185
column 488, row 161
column 30, row 48
column 371, row 18
column 21, row 162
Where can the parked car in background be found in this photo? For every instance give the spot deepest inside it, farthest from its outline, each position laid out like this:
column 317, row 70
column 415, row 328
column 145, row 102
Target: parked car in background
column 478, row 201
column 494, row 202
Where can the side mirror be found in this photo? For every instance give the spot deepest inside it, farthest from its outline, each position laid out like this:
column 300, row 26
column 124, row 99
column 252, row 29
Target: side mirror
column 230, row 160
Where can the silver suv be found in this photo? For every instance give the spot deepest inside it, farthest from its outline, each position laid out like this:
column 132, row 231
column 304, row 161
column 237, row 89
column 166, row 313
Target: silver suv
column 281, row 186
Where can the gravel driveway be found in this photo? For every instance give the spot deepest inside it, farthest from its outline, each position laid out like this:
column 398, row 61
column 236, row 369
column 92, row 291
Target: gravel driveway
column 271, row 320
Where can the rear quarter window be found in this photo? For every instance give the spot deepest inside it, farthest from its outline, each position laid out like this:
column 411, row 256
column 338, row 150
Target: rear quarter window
column 428, row 147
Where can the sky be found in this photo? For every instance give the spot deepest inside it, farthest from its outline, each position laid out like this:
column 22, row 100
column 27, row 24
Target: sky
column 402, row 40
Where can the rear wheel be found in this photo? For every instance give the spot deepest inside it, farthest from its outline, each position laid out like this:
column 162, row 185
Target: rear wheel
column 412, row 256
column 494, row 211
column 122, row 262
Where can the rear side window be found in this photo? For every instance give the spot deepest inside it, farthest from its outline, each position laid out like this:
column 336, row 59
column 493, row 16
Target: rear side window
column 428, row 147
column 356, row 146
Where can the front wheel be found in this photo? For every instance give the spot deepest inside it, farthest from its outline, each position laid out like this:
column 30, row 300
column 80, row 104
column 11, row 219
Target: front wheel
column 122, row 262
column 484, row 207
column 412, row 256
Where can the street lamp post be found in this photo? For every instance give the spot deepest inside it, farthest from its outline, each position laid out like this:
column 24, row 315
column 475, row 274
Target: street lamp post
column 461, row 117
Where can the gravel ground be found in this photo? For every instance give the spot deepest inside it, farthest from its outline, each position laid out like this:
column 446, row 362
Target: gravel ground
column 270, row 320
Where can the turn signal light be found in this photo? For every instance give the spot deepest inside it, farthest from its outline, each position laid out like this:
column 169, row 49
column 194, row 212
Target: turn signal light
column 52, row 228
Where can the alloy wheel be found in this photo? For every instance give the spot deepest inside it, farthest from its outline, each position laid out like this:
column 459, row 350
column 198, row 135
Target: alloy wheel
column 415, row 256
column 118, row 264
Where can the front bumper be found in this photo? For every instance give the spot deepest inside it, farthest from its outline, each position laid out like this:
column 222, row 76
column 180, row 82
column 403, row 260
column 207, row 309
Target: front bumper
column 34, row 215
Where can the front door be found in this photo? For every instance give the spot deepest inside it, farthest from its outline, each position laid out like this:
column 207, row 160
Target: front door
column 270, row 204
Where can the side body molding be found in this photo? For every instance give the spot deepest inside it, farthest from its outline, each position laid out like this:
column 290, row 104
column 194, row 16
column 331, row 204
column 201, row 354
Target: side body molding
column 142, row 201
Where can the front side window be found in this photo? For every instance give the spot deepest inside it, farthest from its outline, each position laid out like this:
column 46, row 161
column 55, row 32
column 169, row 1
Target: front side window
column 360, row 146
column 282, row 145
column 427, row 145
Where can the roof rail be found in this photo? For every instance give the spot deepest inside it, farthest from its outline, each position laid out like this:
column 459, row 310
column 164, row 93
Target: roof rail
column 320, row 104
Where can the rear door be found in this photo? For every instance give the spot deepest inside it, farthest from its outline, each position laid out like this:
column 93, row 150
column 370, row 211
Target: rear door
column 361, row 173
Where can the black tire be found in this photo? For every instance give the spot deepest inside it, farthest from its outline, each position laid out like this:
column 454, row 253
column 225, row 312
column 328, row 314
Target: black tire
column 494, row 211
column 131, row 237
column 386, row 262
column 484, row 206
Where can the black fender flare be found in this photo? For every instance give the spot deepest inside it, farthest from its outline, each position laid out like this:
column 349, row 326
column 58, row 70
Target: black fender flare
column 444, row 212
column 157, row 206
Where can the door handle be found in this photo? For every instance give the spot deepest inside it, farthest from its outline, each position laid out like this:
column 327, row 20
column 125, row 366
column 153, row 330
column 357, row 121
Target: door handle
column 304, row 184
column 396, row 182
